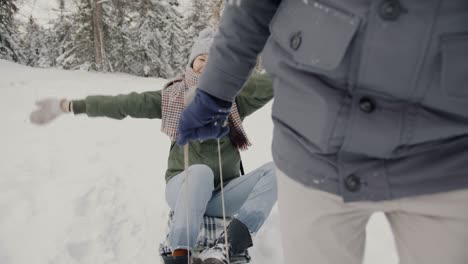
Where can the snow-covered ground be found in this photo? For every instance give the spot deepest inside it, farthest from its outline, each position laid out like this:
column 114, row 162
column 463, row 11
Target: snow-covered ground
column 84, row 190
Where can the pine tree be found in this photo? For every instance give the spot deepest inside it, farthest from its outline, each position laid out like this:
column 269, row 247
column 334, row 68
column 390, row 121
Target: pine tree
column 118, row 30
column 81, row 53
column 9, row 47
column 60, row 33
column 200, row 16
column 61, row 4
column 149, row 46
column 216, row 10
column 176, row 39
column 34, row 44
column 79, row 34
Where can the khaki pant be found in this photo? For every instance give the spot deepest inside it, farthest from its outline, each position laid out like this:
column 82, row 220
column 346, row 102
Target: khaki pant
column 429, row 229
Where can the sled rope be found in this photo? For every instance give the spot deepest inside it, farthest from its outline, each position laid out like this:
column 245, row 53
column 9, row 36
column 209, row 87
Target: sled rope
column 222, row 202
column 187, row 200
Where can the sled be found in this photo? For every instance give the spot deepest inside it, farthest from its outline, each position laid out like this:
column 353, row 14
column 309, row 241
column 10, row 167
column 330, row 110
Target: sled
column 211, row 228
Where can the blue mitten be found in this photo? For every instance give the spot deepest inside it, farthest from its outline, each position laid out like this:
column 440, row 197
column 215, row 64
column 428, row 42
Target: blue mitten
column 204, row 118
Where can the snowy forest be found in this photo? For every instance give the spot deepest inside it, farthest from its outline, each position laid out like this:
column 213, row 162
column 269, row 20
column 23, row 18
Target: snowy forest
column 92, row 190
column 139, row 37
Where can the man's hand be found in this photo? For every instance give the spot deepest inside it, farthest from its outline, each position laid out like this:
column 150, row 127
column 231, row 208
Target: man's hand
column 205, row 118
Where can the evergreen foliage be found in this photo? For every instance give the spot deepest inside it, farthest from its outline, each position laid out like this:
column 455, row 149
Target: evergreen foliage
column 9, row 43
column 141, row 37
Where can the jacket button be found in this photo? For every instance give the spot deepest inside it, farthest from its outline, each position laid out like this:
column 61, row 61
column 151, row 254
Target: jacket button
column 367, row 104
column 353, row 183
column 390, row 10
column 295, row 41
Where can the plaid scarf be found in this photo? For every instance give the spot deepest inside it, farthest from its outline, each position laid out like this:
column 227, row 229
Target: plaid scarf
column 178, row 93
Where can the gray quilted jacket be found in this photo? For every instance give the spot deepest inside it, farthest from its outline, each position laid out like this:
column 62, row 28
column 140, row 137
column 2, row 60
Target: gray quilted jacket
column 371, row 96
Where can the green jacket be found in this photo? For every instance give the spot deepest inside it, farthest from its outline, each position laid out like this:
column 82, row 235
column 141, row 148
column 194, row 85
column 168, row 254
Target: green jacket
column 258, row 92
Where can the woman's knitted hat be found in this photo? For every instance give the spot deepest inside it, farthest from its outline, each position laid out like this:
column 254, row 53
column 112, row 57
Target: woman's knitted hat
column 202, row 44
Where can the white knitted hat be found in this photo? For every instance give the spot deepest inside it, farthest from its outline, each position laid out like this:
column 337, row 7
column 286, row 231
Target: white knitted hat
column 202, row 44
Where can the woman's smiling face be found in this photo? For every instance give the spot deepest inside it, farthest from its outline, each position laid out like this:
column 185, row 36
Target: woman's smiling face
column 199, row 63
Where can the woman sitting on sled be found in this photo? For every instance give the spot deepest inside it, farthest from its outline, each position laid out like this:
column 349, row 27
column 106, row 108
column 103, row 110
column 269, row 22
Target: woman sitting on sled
column 248, row 198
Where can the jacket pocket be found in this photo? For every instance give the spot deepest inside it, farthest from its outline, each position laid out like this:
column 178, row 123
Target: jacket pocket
column 454, row 76
column 314, row 33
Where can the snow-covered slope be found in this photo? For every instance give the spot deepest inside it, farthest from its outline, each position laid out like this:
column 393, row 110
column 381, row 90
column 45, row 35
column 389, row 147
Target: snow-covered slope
column 84, row 190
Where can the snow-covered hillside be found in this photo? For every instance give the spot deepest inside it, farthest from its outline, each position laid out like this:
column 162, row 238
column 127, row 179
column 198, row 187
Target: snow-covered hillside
column 90, row 191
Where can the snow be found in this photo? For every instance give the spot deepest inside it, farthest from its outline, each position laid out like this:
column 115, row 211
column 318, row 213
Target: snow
column 91, row 190
column 42, row 10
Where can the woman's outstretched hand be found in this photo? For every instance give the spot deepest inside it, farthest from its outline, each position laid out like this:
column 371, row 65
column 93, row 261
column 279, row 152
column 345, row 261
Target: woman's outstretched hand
column 48, row 110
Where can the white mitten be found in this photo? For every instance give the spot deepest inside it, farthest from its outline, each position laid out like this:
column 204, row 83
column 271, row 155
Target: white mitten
column 49, row 109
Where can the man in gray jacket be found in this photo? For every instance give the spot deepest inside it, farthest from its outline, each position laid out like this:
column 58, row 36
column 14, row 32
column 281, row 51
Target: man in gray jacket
column 370, row 114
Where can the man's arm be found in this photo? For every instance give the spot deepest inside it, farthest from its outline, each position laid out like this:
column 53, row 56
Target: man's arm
column 243, row 32
column 242, row 35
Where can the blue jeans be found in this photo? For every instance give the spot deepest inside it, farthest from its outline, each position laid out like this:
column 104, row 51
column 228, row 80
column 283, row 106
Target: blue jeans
column 249, row 198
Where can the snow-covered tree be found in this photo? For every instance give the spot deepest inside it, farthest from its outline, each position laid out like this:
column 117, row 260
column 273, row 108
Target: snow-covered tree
column 201, row 14
column 9, row 42
column 117, row 28
column 216, row 10
column 61, row 44
column 142, row 37
column 61, row 4
column 35, row 45
column 176, row 37
column 147, row 49
column 80, row 54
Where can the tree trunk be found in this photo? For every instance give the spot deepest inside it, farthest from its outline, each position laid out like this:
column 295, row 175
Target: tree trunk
column 98, row 35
